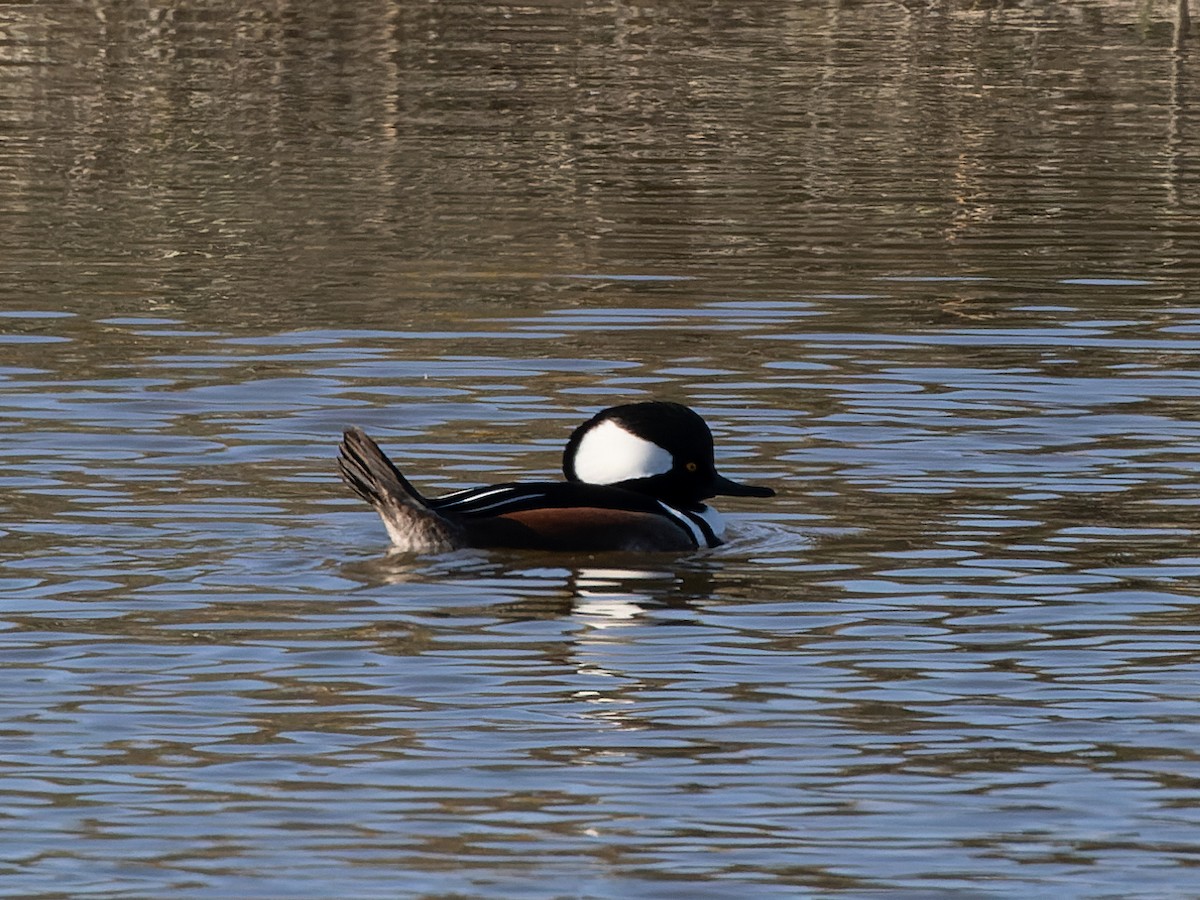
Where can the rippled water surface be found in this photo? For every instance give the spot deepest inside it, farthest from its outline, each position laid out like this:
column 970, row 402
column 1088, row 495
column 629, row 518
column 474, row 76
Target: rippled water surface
column 929, row 271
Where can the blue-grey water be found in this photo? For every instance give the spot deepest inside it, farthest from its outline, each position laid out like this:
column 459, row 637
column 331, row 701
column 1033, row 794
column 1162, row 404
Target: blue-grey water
column 929, row 270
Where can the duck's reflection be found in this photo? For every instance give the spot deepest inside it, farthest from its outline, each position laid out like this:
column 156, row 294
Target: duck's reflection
column 524, row 582
column 604, row 599
column 604, row 617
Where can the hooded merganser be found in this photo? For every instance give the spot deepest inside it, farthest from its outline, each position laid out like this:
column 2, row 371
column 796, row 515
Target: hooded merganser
column 636, row 478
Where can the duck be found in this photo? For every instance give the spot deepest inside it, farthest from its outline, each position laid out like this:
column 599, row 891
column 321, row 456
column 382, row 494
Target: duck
column 636, row 478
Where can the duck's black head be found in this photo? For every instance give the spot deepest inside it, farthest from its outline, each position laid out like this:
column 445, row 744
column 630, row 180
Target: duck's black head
column 656, row 448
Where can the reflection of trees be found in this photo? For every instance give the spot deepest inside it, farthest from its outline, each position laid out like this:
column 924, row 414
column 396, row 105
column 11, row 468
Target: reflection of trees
column 205, row 142
column 1177, row 108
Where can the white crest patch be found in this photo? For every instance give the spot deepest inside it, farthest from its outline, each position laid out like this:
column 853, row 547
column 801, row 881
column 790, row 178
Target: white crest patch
column 609, row 454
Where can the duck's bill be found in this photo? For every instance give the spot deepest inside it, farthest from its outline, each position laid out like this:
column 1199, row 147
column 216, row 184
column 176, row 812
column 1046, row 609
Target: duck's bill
column 729, row 488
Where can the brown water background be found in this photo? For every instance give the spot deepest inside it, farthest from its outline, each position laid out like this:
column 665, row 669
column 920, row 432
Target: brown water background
column 931, row 270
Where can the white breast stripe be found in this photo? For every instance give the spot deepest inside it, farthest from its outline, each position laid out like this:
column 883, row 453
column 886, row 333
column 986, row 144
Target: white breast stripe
column 675, row 515
column 714, row 519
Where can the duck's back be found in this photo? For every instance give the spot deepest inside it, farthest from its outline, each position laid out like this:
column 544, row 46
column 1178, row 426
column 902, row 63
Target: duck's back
column 561, row 515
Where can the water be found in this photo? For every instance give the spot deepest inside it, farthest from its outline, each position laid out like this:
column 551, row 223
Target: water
column 929, row 272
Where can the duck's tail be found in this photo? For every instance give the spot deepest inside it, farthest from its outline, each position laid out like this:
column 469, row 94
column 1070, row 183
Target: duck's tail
column 409, row 521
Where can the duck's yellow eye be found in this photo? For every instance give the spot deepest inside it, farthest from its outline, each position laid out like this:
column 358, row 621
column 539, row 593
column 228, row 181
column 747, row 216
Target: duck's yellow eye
column 691, row 467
